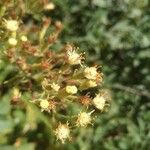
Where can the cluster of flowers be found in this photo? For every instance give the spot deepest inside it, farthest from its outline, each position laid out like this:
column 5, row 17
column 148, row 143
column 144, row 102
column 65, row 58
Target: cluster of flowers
column 56, row 79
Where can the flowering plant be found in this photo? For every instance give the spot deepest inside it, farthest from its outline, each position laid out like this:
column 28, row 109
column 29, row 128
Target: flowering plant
column 56, row 80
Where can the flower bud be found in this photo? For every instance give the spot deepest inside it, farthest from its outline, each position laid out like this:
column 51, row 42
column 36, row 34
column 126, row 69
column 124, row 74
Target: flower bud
column 88, row 84
column 16, row 95
column 71, row 89
column 49, row 6
column 23, row 38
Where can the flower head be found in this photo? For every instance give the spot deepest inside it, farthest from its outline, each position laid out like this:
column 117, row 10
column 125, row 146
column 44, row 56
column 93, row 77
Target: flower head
column 99, row 102
column 12, row 41
column 71, row 89
column 62, row 132
column 85, row 100
column 11, row 25
column 91, row 73
column 49, row 6
column 24, row 38
column 16, row 93
column 44, row 104
column 84, row 119
column 73, row 57
column 55, row 87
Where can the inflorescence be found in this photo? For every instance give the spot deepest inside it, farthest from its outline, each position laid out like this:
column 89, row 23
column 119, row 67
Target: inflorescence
column 57, row 80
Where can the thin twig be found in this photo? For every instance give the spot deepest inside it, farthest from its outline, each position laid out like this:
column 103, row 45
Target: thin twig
column 132, row 90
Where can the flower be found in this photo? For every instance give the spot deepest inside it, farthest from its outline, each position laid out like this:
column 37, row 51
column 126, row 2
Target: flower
column 55, row 87
column 52, row 106
column 83, row 119
column 91, row 73
column 73, row 57
column 85, row 100
column 16, row 93
column 62, row 132
column 99, row 102
column 24, row 38
column 11, row 25
column 12, row 41
column 71, row 89
column 49, row 6
column 44, row 104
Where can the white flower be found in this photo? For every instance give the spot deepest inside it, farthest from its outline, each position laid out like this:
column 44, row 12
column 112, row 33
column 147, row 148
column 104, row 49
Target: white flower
column 99, row 102
column 83, row 119
column 12, row 41
column 11, row 25
column 73, row 57
column 44, row 104
column 62, row 132
column 71, row 89
column 90, row 73
column 55, row 87
column 24, row 38
column 49, row 6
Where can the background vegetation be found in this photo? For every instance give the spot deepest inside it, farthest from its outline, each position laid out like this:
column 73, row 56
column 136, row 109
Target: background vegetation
column 115, row 34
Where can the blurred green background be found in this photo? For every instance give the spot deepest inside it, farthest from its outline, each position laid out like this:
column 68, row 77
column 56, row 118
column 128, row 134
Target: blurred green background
column 116, row 34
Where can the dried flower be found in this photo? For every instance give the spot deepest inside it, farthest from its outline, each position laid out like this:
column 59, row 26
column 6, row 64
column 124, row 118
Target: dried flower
column 11, row 25
column 58, row 25
column 62, row 132
column 85, row 100
column 71, row 89
column 52, row 105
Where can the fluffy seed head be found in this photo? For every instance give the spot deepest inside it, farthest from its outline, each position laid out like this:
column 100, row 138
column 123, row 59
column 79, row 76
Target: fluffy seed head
column 62, row 132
